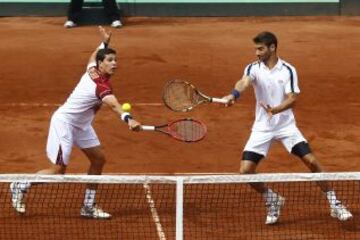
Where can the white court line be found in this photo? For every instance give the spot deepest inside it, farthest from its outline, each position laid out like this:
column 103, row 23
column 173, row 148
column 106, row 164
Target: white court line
column 25, row 104
column 154, row 212
column 169, row 174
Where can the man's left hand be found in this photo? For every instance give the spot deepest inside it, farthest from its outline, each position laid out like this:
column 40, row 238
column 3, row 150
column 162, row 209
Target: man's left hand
column 268, row 109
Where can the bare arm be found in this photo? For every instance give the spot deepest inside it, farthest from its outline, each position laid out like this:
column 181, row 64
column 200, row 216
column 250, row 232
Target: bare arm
column 106, row 36
column 289, row 102
column 243, row 83
column 240, row 86
column 112, row 101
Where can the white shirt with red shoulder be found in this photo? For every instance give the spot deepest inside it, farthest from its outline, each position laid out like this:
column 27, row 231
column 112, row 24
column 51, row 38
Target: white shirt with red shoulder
column 271, row 87
column 82, row 104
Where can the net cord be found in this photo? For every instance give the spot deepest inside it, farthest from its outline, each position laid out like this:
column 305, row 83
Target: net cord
column 187, row 179
column 179, row 181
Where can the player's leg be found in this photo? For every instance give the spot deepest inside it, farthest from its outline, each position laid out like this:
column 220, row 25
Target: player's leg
column 19, row 189
column 73, row 13
column 248, row 166
column 113, row 12
column 255, row 150
column 295, row 143
column 90, row 145
column 303, row 151
column 337, row 209
column 53, row 169
column 59, row 146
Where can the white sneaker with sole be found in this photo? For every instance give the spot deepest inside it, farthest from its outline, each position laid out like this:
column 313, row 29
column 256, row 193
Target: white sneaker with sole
column 340, row 212
column 94, row 212
column 17, row 196
column 69, row 24
column 116, row 24
column 274, row 209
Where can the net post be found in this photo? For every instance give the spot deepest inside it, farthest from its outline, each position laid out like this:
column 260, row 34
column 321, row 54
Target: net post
column 179, row 208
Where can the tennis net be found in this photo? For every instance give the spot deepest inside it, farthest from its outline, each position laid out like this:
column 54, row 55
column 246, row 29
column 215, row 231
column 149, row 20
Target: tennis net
column 180, row 207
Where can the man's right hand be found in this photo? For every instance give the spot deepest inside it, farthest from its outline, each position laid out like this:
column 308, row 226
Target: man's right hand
column 230, row 100
column 105, row 35
column 134, row 125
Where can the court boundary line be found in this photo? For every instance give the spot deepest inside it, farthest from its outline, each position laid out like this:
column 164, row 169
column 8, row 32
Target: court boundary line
column 154, row 213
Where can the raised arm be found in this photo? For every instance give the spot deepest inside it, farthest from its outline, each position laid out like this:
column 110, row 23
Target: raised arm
column 240, row 86
column 106, row 36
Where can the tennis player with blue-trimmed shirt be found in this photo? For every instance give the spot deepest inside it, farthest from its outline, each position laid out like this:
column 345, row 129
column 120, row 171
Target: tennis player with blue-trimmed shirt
column 276, row 88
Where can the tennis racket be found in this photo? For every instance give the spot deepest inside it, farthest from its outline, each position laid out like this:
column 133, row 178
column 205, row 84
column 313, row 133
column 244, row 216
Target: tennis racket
column 186, row 130
column 182, row 96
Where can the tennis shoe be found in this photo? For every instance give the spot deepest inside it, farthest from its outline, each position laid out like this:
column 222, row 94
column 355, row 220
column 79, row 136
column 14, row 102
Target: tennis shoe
column 340, row 212
column 273, row 210
column 94, row 212
column 69, row 24
column 116, row 24
column 17, row 197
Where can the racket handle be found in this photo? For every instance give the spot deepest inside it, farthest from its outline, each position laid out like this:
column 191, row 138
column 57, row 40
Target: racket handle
column 219, row 100
column 147, row 128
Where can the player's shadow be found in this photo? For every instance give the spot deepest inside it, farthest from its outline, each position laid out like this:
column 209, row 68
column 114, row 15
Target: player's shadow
column 352, row 225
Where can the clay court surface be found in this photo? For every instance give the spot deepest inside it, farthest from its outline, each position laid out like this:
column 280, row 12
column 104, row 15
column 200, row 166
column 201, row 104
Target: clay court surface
column 41, row 62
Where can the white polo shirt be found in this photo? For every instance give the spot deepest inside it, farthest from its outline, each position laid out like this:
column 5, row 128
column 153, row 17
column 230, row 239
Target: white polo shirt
column 271, row 87
column 80, row 107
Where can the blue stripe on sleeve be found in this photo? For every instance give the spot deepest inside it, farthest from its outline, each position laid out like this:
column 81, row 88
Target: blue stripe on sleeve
column 291, row 77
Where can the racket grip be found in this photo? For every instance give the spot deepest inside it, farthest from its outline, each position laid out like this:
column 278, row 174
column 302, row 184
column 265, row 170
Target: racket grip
column 147, row 128
column 219, row 100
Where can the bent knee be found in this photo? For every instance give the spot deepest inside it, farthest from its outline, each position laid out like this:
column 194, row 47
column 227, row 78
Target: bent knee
column 301, row 149
column 247, row 167
column 99, row 161
column 249, row 162
column 59, row 169
column 246, row 170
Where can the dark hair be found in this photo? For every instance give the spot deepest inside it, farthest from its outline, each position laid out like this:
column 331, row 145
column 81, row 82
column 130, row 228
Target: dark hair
column 266, row 38
column 101, row 53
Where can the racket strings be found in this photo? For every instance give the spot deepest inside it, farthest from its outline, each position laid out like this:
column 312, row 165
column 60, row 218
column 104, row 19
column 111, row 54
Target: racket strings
column 180, row 96
column 189, row 130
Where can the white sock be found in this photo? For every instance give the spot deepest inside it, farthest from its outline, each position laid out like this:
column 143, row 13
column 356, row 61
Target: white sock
column 331, row 196
column 89, row 199
column 270, row 196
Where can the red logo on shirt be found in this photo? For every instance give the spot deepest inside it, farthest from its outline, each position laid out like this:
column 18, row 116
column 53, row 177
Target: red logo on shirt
column 93, row 73
column 103, row 86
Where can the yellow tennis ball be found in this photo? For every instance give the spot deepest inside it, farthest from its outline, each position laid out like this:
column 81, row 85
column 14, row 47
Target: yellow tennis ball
column 126, row 107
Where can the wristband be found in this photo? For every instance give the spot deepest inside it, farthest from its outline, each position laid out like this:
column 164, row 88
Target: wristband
column 103, row 45
column 235, row 93
column 126, row 116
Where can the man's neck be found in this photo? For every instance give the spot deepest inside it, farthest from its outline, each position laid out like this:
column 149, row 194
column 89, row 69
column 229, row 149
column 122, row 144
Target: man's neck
column 271, row 62
column 102, row 73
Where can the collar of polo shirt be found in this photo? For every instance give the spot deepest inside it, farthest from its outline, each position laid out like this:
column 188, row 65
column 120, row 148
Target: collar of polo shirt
column 278, row 65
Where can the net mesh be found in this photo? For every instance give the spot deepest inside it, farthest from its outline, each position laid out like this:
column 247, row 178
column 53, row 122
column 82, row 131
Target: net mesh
column 214, row 207
column 180, row 96
column 235, row 211
column 53, row 212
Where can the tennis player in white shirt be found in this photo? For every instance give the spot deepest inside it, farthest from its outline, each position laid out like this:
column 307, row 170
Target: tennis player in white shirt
column 275, row 83
column 71, row 124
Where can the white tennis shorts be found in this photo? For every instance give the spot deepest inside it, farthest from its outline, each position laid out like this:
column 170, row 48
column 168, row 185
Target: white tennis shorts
column 62, row 136
column 260, row 141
